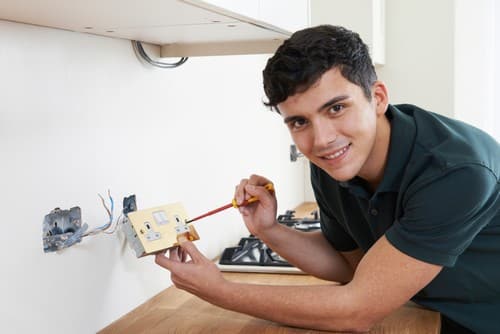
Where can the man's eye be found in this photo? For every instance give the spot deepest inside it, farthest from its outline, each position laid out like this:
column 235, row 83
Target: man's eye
column 336, row 108
column 298, row 123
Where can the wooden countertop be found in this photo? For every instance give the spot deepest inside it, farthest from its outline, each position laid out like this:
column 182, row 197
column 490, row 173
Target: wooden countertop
column 176, row 311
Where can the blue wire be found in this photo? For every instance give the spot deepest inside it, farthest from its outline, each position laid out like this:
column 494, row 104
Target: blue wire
column 110, row 216
column 112, row 208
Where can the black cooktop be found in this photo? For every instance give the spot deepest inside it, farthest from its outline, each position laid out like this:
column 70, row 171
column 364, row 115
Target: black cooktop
column 251, row 251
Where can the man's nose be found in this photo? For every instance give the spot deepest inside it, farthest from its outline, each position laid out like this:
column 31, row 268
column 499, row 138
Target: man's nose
column 325, row 133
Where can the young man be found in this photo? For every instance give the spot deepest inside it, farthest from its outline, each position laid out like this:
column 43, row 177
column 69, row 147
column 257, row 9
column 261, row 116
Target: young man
column 409, row 202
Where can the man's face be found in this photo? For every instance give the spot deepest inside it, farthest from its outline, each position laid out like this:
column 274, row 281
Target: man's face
column 335, row 126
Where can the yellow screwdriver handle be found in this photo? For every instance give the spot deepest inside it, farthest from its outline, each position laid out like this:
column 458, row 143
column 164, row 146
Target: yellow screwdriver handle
column 269, row 187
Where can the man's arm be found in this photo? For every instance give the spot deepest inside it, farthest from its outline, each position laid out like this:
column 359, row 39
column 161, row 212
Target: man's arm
column 384, row 280
column 312, row 253
column 309, row 251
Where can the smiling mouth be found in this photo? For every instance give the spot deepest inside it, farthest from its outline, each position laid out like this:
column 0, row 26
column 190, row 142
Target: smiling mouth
column 337, row 153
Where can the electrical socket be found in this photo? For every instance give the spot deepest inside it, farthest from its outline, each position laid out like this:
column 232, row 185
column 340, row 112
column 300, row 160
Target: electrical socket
column 155, row 229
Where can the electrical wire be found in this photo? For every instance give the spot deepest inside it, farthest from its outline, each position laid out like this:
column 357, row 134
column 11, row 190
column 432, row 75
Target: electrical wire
column 109, row 210
column 104, row 204
column 140, row 51
column 115, row 227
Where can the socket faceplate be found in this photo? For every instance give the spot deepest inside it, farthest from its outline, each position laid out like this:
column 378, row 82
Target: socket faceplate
column 158, row 228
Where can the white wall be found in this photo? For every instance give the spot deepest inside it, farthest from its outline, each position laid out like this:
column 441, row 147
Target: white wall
column 419, row 67
column 442, row 55
column 477, row 65
column 496, row 110
column 80, row 114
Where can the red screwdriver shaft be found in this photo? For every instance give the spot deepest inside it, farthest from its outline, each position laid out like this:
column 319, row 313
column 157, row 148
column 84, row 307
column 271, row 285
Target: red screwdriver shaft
column 233, row 204
column 209, row 213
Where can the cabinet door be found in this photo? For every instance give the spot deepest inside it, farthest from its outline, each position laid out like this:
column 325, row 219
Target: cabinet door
column 248, row 8
column 290, row 15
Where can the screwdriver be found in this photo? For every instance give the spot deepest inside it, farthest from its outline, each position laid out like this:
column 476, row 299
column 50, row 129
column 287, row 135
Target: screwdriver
column 233, row 204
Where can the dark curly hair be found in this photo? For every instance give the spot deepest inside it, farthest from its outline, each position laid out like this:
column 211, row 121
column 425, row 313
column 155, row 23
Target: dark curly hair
column 303, row 58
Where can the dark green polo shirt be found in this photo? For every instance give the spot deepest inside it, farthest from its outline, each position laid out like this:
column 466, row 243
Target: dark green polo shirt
column 438, row 202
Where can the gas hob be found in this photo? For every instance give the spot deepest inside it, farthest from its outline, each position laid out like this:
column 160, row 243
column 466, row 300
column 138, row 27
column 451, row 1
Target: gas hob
column 253, row 255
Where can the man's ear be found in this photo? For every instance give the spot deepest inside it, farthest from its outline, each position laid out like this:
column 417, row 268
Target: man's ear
column 380, row 97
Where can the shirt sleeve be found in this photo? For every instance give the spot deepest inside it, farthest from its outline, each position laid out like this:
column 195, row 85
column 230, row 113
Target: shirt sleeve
column 442, row 216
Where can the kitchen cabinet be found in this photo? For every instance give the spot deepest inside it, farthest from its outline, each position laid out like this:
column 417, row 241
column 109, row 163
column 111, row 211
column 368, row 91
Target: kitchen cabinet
column 180, row 27
column 202, row 28
column 249, row 8
column 367, row 17
column 290, row 15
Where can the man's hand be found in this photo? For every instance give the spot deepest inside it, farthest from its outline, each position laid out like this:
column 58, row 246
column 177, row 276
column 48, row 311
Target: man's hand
column 199, row 276
column 297, row 247
column 259, row 216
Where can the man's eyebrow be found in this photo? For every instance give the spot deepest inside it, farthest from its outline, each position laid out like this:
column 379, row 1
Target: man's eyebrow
column 290, row 119
column 327, row 104
column 331, row 102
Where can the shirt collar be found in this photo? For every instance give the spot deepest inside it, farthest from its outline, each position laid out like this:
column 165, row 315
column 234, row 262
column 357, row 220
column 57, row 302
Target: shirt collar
column 403, row 132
